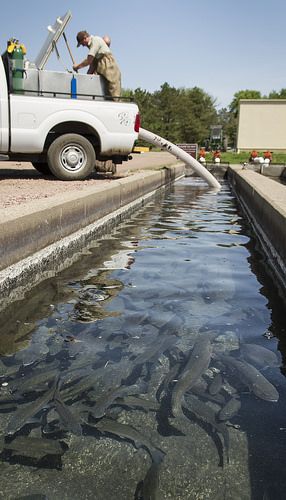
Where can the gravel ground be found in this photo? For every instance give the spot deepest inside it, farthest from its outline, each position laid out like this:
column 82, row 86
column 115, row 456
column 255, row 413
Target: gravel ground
column 20, row 183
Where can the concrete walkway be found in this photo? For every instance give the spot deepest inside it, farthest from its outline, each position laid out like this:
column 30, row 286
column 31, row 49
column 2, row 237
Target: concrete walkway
column 264, row 201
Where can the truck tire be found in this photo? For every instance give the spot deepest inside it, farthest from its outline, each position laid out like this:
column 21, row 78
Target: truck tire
column 71, row 157
column 42, row 167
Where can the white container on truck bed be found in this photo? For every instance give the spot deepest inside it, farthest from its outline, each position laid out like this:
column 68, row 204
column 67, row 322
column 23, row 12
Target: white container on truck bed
column 61, row 132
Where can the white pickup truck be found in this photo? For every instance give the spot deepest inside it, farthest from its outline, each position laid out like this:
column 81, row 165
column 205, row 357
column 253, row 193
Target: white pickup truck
column 60, row 131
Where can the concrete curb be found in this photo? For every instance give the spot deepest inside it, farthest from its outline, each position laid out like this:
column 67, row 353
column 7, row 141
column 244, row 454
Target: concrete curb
column 264, row 202
column 37, row 244
column 273, row 170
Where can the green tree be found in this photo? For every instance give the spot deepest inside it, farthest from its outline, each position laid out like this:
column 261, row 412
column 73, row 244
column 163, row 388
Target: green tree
column 229, row 125
column 277, row 95
column 242, row 94
column 196, row 113
column 179, row 115
column 165, row 116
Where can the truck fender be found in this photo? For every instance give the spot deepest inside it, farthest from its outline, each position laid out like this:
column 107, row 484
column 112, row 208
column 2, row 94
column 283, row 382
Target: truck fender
column 62, row 117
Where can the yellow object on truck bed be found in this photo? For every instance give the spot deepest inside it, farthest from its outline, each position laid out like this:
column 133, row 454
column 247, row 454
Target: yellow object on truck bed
column 140, row 149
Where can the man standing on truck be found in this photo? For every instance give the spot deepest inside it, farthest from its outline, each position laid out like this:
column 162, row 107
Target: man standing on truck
column 101, row 61
column 107, row 40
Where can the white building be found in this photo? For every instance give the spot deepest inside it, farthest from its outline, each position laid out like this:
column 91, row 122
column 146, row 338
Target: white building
column 262, row 125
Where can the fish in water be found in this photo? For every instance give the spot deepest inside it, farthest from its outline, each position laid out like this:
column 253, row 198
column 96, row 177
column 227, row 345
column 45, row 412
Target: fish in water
column 216, row 384
column 37, row 381
column 109, row 396
column 70, row 421
column 169, row 378
column 160, row 345
column 229, row 409
column 152, row 353
column 138, row 403
column 83, row 385
column 26, row 412
column 250, row 376
column 125, row 431
column 258, row 355
column 205, row 395
column 148, row 489
column 197, row 364
column 34, row 447
column 205, row 413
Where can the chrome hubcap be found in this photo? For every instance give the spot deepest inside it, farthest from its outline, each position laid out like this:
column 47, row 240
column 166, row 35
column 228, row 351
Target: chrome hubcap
column 73, row 157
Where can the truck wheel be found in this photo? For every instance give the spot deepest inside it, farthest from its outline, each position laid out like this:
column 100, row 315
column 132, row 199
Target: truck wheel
column 71, row 157
column 42, row 167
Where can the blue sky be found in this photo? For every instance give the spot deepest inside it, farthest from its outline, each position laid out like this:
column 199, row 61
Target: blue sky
column 221, row 46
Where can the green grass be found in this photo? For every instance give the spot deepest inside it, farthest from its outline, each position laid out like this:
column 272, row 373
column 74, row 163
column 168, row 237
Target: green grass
column 230, row 157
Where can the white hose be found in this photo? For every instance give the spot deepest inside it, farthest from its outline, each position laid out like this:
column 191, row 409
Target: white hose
column 179, row 153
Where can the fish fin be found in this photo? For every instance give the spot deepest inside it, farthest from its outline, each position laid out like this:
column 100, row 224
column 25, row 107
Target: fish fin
column 138, row 495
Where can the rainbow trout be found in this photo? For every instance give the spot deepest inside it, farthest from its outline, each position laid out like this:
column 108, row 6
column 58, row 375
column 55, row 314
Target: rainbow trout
column 255, row 381
column 109, row 426
column 197, row 364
